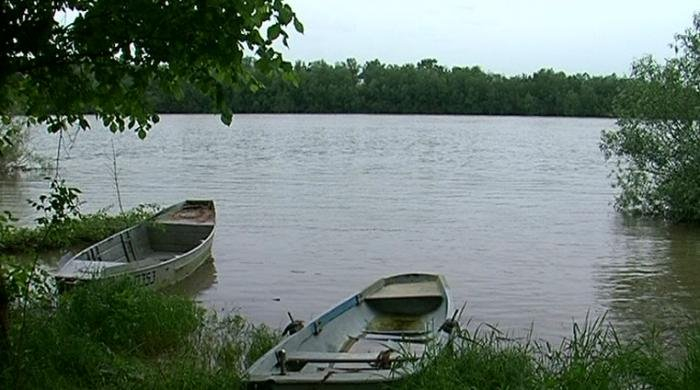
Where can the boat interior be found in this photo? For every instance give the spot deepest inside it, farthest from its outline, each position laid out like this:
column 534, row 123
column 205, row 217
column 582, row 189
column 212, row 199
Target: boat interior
column 173, row 232
column 391, row 321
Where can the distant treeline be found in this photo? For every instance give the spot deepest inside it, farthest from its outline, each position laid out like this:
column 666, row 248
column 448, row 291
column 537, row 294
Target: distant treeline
column 424, row 88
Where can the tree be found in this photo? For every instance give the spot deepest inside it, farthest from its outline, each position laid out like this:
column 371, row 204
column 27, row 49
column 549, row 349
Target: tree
column 54, row 70
column 656, row 146
column 423, row 88
column 111, row 55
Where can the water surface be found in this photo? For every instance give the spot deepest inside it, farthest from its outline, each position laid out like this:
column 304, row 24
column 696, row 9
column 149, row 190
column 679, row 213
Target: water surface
column 514, row 211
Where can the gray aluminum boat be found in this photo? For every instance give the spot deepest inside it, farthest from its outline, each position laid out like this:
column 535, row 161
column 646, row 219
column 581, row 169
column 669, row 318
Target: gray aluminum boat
column 158, row 252
column 369, row 339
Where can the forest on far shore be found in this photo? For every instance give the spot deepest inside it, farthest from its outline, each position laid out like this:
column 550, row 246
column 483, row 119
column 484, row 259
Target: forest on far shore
column 423, row 88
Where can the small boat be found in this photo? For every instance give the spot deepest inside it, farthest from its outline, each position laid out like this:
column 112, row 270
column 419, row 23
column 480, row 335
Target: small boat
column 158, row 252
column 373, row 337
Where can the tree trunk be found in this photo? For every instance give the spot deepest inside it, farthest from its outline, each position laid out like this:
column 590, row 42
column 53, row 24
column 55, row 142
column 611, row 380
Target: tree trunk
column 4, row 316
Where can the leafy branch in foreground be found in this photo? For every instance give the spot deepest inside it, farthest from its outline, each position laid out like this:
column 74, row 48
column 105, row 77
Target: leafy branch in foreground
column 59, row 206
column 656, row 146
column 53, row 70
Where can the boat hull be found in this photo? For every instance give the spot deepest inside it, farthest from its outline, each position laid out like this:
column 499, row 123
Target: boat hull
column 369, row 339
column 159, row 252
column 163, row 275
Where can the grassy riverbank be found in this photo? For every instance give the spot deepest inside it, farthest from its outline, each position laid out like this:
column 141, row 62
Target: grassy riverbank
column 119, row 335
column 592, row 358
column 75, row 232
column 113, row 334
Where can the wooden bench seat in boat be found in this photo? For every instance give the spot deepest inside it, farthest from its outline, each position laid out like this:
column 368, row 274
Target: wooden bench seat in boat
column 410, row 298
column 398, row 333
column 157, row 257
column 87, row 266
column 336, row 357
column 406, row 290
column 418, row 338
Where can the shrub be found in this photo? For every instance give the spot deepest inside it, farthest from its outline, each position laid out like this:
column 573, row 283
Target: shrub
column 117, row 334
column 82, row 230
column 656, row 146
column 14, row 155
column 127, row 317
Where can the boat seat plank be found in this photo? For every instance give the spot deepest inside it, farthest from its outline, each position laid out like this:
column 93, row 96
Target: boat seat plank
column 398, row 332
column 156, row 257
column 86, row 267
column 335, row 357
column 407, row 290
column 185, row 223
column 399, row 338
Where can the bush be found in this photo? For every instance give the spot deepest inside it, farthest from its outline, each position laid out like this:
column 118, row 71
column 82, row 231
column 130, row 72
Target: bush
column 126, row 317
column 593, row 358
column 118, row 334
column 656, row 147
column 14, row 155
column 70, row 233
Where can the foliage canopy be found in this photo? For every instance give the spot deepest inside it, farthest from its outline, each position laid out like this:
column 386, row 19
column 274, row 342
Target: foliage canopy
column 53, row 69
column 656, row 146
column 422, row 88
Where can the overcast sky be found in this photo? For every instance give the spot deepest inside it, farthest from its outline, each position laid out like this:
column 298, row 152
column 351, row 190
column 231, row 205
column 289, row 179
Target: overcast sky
column 511, row 37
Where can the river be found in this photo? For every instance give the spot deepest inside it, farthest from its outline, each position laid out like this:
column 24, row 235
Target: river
column 515, row 212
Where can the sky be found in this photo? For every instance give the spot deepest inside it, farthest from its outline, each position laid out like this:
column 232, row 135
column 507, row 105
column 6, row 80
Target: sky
column 509, row 37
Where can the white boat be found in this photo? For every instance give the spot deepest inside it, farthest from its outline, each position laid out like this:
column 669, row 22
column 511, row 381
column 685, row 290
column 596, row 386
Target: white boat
column 158, row 252
column 371, row 338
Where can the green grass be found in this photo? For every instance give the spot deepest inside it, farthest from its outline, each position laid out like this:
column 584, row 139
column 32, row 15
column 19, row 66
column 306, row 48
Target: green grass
column 84, row 230
column 592, row 358
column 117, row 334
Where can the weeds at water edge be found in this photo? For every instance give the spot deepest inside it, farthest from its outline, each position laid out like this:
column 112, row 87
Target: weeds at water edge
column 117, row 334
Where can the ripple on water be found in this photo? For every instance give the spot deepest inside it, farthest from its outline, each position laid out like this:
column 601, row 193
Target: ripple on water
column 514, row 211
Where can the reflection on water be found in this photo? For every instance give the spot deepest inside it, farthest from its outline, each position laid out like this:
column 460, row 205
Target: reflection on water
column 515, row 212
column 13, row 197
column 653, row 279
column 201, row 279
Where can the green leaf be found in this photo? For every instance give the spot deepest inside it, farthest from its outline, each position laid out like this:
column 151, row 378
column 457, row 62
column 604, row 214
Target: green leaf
column 298, row 26
column 83, row 123
column 226, row 118
column 55, row 127
column 263, row 64
column 291, row 77
column 285, row 15
column 116, row 64
column 273, row 32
